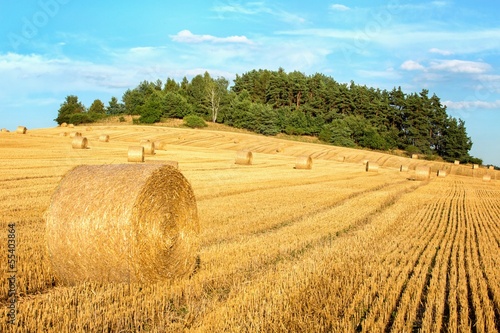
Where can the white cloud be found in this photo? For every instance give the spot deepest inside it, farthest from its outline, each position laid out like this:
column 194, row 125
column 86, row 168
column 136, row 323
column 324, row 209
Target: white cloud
column 186, row 36
column 460, row 66
column 441, row 52
column 411, row 65
column 255, row 8
column 461, row 105
column 339, row 7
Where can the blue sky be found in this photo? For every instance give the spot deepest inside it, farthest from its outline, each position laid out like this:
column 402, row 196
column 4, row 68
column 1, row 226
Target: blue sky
column 97, row 49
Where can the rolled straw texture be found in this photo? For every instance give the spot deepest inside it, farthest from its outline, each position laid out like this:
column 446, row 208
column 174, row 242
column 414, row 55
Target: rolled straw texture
column 371, row 167
column 403, row 168
column 304, row 162
column 422, row 172
column 136, row 154
column 64, row 125
column 71, row 126
column 244, row 157
column 21, row 130
column 149, row 148
column 74, row 134
column 160, row 145
column 134, row 223
column 457, row 162
column 79, row 142
column 441, row 173
column 414, row 156
column 104, row 138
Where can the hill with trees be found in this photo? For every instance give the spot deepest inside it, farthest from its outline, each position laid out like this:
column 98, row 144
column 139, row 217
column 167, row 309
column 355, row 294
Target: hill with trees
column 272, row 102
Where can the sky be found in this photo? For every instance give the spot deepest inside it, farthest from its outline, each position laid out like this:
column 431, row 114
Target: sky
column 50, row 49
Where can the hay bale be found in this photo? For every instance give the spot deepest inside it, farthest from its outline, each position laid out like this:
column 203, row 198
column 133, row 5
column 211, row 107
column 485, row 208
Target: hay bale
column 136, row 154
column 304, row 163
column 160, row 145
column 74, row 134
column 142, row 228
column 64, row 125
column 63, row 134
column 403, row 168
column 422, row 172
column 441, row 173
column 4, row 130
column 71, row 126
column 104, row 138
column 79, row 142
column 244, row 157
column 341, row 159
column 491, row 167
column 486, row 178
column 457, row 162
column 414, row 156
column 149, row 148
column 21, row 130
column 475, row 166
column 371, row 167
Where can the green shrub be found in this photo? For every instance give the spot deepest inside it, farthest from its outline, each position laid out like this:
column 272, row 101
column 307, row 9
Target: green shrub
column 122, row 119
column 194, row 121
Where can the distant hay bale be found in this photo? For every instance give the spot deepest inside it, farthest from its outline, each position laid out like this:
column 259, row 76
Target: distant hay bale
column 104, row 138
column 486, row 178
column 304, row 163
column 143, row 227
column 136, row 154
column 491, row 167
column 457, row 162
column 21, row 130
column 441, row 173
column 74, row 134
column 4, row 130
column 175, row 164
column 149, row 148
column 79, row 142
column 71, row 126
column 160, row 145
column 422, row 172
column 365, row 161
column 244, row 157
column 63, row 134
column 88, row 129
column 371, row 167
column 341, row 158
column 414, row 156
column 64, row 125
column 403, row 168
column 475, row 166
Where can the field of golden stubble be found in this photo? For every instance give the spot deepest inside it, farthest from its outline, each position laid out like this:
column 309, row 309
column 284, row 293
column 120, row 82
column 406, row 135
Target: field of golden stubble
column 332, row 249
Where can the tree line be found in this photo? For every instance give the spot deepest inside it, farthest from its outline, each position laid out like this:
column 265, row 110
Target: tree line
column 272, row 102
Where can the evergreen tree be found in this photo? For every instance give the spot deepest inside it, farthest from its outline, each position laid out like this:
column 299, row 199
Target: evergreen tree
column 70, row 107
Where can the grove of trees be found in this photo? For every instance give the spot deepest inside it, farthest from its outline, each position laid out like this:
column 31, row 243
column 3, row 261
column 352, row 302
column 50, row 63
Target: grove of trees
column 272, row 102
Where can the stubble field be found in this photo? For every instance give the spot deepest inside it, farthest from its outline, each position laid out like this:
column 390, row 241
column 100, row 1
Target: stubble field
column 332, row 249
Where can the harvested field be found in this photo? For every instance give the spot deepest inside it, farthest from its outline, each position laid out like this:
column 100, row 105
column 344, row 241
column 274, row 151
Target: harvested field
column 333, row 249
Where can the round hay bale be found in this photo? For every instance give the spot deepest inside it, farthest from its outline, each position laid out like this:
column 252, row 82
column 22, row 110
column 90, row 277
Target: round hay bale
column 21, row 130
column 4, row 130
column 403, row 168
column 63, row 134
column 64, row 125
column 79, row 142
column 414, row 156
column 486, row 178
column 136, row 154
column 441, row 173
column 71, row 126
column 365, row 161
column 160, row 145
column 371, row 167
column 457, row 162
column 149, row 148
column 304, row 163
column 422, row 172
column 74, row 134
column 475, row 166
column 142, row 228
column 244, row 157
column 341, row 159
column 104, row 138
column 491, row 167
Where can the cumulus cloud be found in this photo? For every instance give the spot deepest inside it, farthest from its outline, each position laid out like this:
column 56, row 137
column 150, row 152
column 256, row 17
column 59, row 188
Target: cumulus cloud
column 411, row 65
column 339, row 7
column 441, row 52
column 462, row 105
column 186, row 36
column 460, row 66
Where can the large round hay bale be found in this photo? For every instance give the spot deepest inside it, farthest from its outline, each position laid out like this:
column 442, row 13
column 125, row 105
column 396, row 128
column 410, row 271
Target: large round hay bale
column 486, row 178
column 491, row 167
column 244, row 157
column 371, row 167
column 21, row 130
column 64, row 125
column 136, row 154
column 403, row 168
column 475, row 166
column 127, row 223
column 414, row 156
column 457, row 162
column 104, row 138
column 441, row 173
column 79, row 142
column 74, row 134
column 304, row 163
column 422, row 172
column 71, row 126
column 149, row 148
column 160, row 145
